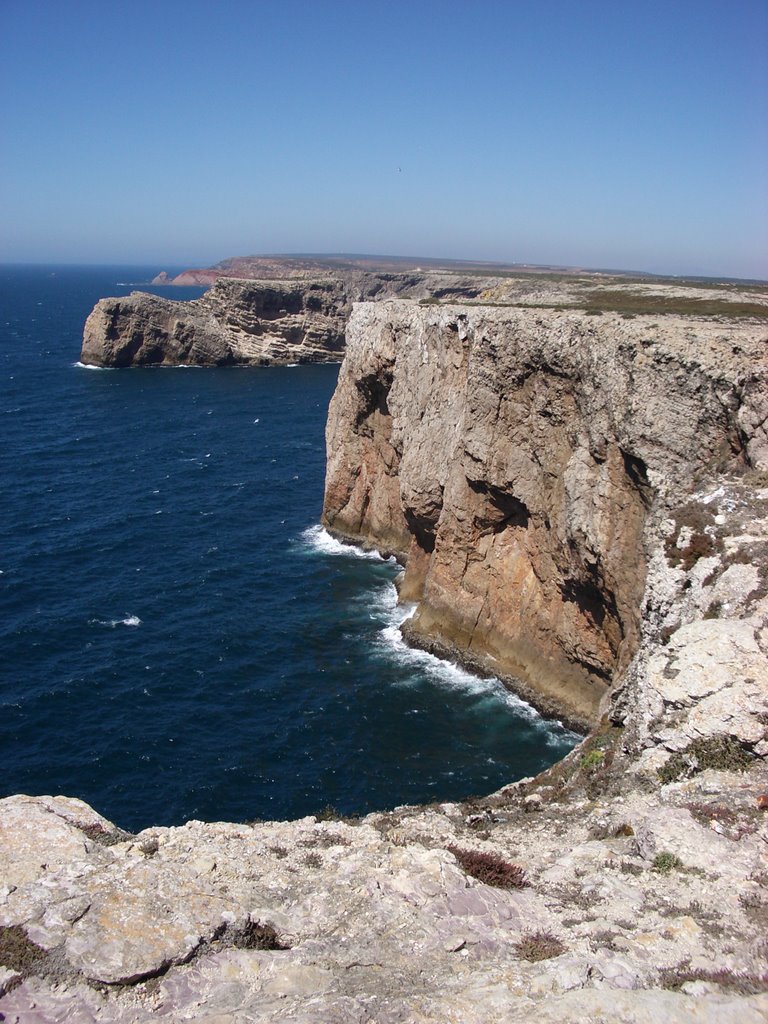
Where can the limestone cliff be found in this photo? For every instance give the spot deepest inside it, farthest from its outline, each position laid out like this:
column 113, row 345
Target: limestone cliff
column 512, row 457
column 638, row 866
column 247, row 322
column 236, row 322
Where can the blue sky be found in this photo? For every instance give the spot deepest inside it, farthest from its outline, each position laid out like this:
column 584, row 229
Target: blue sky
column 601, row 134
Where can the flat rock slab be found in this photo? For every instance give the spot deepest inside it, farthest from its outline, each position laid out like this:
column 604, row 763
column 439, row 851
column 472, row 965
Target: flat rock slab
column 40, row 834
column 137, row 923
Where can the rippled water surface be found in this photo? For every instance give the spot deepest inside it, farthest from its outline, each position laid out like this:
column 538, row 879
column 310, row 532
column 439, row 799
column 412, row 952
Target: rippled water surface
column 180, row 639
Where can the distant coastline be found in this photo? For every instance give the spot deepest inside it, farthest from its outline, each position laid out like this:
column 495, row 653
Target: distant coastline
column 304, row 265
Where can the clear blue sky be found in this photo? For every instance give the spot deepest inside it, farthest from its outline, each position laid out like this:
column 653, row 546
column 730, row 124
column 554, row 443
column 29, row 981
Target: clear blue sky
column 601, row 133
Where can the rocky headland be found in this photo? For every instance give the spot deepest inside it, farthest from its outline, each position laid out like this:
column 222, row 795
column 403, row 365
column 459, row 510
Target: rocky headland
column 262, row 268
column 234, row 323
column 277, row 310
column 247, row 322
column 581, row 504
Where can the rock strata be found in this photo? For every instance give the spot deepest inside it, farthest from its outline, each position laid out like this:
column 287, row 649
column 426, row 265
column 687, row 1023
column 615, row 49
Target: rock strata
column 235, row 323
column 246, row 322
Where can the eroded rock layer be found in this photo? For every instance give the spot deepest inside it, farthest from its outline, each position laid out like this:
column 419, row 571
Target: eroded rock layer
column 236, row 322
column 513, row 456
column 247, row 322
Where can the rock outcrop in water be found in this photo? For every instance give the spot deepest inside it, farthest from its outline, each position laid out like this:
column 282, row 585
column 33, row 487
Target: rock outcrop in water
column 601, row 486
column 235, row 323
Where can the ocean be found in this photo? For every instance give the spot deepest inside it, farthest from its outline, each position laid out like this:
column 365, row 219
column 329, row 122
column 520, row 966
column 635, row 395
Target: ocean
column 180, row 638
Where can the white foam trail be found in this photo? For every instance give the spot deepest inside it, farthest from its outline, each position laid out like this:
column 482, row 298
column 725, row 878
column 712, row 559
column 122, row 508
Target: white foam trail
column 92, row 366
column 129, row 620
column 445, row 673
column 383, row 606
column 318, row 538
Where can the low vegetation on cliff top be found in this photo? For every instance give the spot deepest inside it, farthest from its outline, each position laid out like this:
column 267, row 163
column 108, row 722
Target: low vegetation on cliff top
column 490, row 868
column 722, row 753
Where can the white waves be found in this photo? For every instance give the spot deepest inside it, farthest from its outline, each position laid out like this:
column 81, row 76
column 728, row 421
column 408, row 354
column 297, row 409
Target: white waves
column 91, row 366
column 129, row 620
column 318, row 539
column 414, row 667
column 419, row 665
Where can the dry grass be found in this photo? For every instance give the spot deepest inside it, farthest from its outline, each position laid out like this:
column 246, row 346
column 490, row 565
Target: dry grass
column 719, row 752
column 490, row 868
column 537, row 946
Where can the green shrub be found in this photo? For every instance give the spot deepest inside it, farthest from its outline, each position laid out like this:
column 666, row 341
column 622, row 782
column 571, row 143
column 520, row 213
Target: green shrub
column 593, row 760
column 665, row 862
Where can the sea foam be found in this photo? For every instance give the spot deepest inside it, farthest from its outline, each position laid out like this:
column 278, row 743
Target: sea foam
column 318, row 539
column 446, row 674
column 383, row 605
column 129, row 620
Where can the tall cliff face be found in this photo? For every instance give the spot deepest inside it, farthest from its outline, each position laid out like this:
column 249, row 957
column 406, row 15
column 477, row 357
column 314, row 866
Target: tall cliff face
column 532, row 464
column 514, row 457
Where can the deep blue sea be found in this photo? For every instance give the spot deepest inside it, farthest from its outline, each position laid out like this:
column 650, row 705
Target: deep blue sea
column 179, row 638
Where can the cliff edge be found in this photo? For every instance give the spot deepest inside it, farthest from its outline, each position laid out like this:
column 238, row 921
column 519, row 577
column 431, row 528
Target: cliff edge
column 629, row 882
